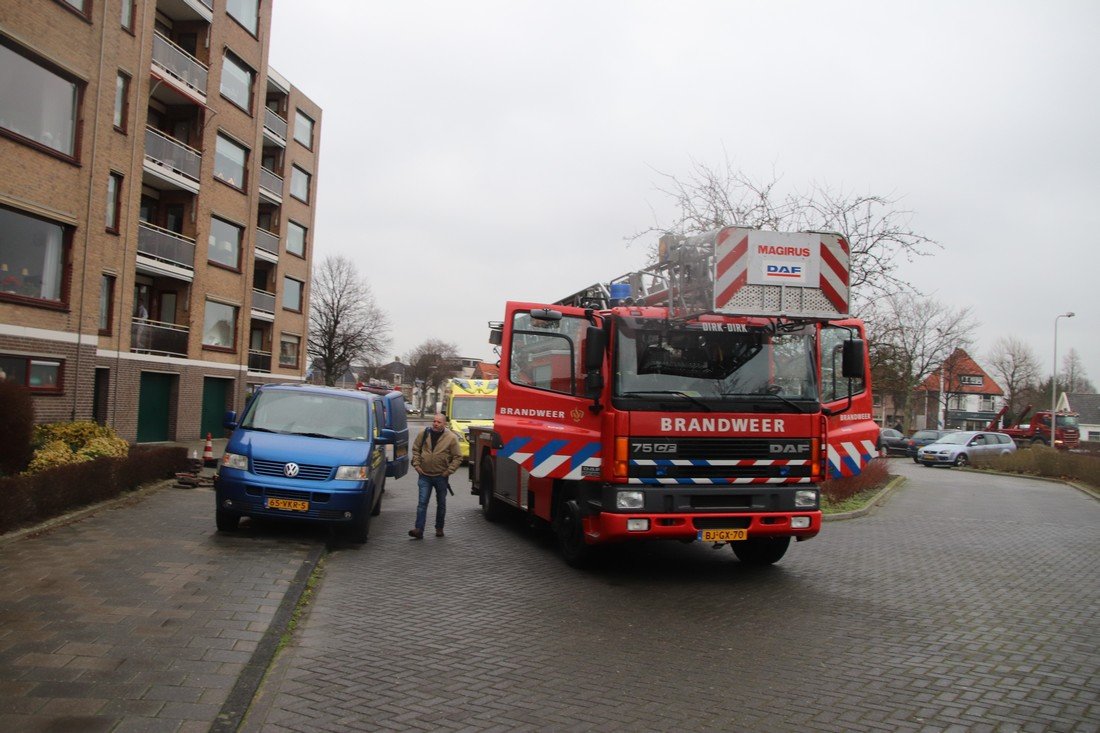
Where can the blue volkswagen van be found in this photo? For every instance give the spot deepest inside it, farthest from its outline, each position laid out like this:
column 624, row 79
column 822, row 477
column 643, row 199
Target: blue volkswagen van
column 308, row 453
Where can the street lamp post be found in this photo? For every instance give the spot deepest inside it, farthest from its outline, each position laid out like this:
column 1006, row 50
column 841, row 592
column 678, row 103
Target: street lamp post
column 1054, row 377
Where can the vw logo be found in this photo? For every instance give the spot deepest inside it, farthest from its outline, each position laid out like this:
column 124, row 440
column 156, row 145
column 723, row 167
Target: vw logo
column 291, row 470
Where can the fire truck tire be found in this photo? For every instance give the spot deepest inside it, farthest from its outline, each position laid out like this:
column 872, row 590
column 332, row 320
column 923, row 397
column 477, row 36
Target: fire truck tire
column 1038, row 441
column 761, row 551
column 491, row 508
column 570, row 535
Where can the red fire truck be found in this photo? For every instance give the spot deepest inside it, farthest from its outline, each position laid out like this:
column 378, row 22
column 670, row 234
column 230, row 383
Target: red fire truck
column 689, row 401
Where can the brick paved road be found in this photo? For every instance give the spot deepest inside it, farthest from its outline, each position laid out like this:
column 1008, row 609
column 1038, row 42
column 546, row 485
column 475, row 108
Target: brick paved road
column 968, row 602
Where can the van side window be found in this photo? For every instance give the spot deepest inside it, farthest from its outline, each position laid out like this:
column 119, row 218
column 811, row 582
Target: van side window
column 379, row 417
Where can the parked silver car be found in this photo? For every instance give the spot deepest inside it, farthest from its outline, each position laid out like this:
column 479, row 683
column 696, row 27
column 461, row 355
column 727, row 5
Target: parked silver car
column 959, row 449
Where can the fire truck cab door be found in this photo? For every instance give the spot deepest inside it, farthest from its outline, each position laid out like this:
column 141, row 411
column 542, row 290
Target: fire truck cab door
column 544, row 418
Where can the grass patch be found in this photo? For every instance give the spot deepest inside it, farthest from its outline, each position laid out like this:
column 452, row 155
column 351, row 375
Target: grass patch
column 1083, row 467
column 850, row 493
column 303, row 603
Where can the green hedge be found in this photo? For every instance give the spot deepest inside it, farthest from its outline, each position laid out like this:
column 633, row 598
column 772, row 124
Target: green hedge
column 32, row 498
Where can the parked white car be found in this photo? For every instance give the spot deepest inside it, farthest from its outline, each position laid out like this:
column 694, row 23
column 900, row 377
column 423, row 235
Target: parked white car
column 959, row 449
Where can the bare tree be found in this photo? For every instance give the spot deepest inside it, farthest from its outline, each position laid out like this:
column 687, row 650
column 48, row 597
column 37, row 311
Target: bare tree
column 345, row 324
column 911, row 339
column 1016, row 366
column 878, row 232
column 1073, row 378
column 431, row 363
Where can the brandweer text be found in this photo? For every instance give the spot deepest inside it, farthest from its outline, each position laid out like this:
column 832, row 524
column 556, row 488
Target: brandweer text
column 722, row 425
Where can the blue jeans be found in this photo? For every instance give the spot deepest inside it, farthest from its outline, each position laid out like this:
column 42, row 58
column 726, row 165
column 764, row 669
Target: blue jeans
column 426, row 484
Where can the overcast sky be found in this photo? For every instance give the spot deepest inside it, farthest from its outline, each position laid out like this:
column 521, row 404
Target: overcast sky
column 477, row 152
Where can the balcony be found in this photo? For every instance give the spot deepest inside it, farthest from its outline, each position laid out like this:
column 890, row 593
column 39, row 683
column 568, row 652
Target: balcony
column 259, row 361
column 169, row 163
column 167, row 253
column 156, row 337
column 271, row 186
column 275, row 125
column 179, row 68
column 263, row 301
column 267, row 243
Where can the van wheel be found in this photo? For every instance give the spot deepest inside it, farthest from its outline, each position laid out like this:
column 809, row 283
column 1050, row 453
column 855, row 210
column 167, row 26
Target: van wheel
column 378, row 506
column 962, row 460
column 759, row 552
column 570, row 535
column 491, row 508
column 226, row 521
column 360, row 526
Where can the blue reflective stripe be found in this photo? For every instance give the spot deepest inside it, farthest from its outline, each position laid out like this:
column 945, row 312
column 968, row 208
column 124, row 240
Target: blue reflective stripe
column 699, row 462
column 548, row 450
column 513, row 446
column 584, row 454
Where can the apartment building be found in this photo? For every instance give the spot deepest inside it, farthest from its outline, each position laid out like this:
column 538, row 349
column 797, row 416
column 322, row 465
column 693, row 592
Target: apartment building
column 157, row 195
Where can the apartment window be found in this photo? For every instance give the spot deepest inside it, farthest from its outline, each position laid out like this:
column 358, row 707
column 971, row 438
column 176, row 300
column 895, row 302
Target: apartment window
column 987, row 403
column 36, row 374
column 245, row 12
column 292, row 294
column 80, row 6
column 106, row 304
column 230, row 160
column 37, row 105
column 114, row 201
column 303, row 129
column 225, row 243
column 122, row 101
column 219, row 328
column 32, row 256
column 237, row 82
column 299, row 184
column 288, row 350
column 296, row 239
column 128, row 15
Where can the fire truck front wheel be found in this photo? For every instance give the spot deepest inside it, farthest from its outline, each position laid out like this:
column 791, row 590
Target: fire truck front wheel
column 570, row 535
column 761, row 551
column 491, row 508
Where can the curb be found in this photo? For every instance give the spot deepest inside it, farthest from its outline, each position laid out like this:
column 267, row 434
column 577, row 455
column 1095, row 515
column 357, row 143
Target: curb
column 1087, row 490
column 879, row 498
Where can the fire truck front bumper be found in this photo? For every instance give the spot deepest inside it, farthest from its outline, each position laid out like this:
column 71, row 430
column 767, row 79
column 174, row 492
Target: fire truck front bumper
column 615, row 527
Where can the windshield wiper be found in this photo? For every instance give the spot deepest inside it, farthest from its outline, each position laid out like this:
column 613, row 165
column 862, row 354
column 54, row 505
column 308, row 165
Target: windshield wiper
column 313, row 435
column 694, row 399
column 773, row 391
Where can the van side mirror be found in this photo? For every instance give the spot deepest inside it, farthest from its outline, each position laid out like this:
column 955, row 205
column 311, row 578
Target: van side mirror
column 386, row 436
column 852, row 359
column 229, row 420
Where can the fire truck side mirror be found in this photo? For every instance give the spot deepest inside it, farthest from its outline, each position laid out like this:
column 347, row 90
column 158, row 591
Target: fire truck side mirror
column 852, row 360
column 496, row 336
column 595, row 343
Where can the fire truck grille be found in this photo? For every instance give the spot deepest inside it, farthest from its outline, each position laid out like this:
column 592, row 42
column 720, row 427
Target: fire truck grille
column 713, row 458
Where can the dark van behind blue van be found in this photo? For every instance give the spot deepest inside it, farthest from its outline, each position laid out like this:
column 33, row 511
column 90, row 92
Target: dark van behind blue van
column 307, row 453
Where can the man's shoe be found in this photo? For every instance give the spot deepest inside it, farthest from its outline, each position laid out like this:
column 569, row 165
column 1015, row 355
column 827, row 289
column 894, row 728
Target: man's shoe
column 439, row 533
column 416, row 534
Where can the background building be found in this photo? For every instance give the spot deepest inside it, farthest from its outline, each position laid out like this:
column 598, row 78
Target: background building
column 157, row 195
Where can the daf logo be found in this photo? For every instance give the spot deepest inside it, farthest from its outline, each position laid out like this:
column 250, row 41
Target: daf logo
column 773, row 448
column 291, row 470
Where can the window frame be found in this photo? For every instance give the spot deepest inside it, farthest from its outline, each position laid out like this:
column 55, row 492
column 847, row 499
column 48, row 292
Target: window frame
column 107, row 303
column 239, row 243
column 297, row 350
column 301, row 294
column 232, row 349
column 294, row 168
column 305, row 235
column 64, row 265
column 122, row 124
column 58, row 387
column 255, row 32
column 312, row 124
column 114, row 208
column 126, row 20
column 84, row 12
column 228, row 57
column 79, row 87
column 244, row 166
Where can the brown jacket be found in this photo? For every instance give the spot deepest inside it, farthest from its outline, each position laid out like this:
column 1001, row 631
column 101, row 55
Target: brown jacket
column 441, row 460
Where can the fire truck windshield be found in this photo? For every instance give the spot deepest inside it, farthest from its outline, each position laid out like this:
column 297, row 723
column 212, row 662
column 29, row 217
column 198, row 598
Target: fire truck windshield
column 723, row 366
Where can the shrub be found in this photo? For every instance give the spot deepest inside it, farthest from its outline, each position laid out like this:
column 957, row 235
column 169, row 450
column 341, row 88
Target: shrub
column 16, row 425
column 1043, row 461
column 873, row 477
column 105, row 447
column 75, row 434
column 52, row 454
column 64, row 443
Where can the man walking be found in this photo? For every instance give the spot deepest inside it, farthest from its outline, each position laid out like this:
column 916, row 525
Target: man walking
column 435, row 457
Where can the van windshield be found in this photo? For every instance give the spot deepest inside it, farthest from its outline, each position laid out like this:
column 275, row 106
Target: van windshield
column 306, row 413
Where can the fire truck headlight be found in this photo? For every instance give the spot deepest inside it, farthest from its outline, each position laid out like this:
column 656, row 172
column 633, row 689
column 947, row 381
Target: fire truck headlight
column 629, row 500
column 805, row 499
column 800, row 522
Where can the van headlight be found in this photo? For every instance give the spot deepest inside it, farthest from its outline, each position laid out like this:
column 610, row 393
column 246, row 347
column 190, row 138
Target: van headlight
column 805, row 499
column 235, row 460
column 351, row 473
column 629, row 500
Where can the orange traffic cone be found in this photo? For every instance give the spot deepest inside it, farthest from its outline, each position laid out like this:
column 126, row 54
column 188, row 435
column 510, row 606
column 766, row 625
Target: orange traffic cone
column 208, row 453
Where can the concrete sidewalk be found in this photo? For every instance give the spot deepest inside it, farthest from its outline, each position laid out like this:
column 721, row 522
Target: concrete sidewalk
column 141, row 617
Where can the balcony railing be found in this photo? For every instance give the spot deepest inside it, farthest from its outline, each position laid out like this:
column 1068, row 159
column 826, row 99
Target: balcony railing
column 267, row 241
column 274, row 122
column 158, row 337
column 161, row 244
column 259, row 361
column 172, row 153
column 263, row 301
column 180, row 64
column 271, row 181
